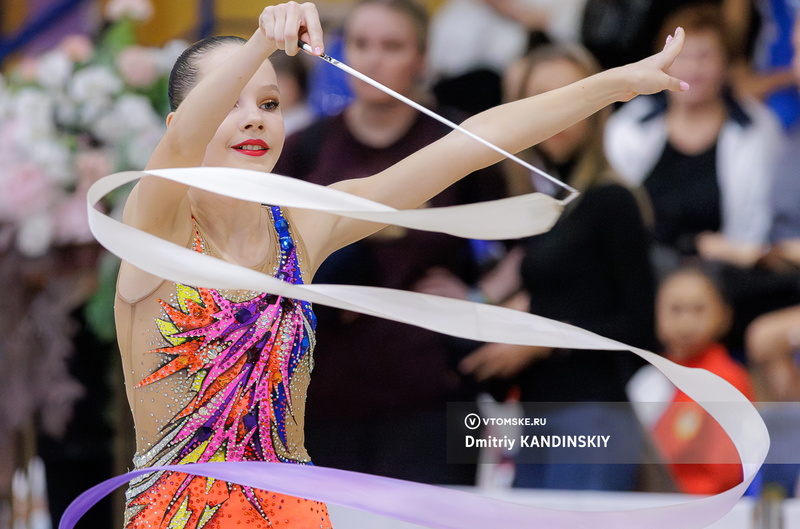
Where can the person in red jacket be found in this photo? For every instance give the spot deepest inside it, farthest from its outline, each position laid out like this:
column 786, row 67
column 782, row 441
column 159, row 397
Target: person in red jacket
column 691, row 316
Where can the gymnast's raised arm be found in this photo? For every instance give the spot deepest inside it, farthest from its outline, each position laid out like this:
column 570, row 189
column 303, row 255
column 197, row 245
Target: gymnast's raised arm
column 513, row 126
column 203, row 92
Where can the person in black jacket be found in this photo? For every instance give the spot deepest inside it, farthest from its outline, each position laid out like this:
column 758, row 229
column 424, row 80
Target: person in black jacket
column 591, row 270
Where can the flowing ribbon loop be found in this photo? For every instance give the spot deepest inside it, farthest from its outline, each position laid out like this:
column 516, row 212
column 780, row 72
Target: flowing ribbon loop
column 507, row 218
column 409, row 501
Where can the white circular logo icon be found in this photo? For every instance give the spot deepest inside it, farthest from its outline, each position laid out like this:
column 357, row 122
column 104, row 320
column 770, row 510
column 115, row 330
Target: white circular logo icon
column 472, row 421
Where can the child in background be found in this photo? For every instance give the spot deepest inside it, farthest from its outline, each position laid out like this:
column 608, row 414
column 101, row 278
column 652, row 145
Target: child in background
column 691, row 317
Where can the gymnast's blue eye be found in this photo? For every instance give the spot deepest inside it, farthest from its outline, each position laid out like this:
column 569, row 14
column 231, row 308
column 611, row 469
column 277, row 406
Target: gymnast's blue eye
column 269, row 105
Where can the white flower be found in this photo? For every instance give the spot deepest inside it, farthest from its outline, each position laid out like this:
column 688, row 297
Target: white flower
column 52, row 108
column 35, row 233
column 66, row 111
column 92, row 111
column 169, row 54
column 34, row 137
column 141, row 147
column 134, row 9
column 136, row 113
column 55, row 160
column 53, row 70
column 9, row 153
column 5, row 98
column 131, row 115
column 94, row 83
column 34, row 108
column 108, row 129
column 138, row 66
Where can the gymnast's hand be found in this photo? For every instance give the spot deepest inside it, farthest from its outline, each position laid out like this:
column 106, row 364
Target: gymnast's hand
column 651, row 75
column 284, row 24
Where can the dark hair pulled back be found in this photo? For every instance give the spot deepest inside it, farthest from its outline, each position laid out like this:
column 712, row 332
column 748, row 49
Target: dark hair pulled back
column 183, row 76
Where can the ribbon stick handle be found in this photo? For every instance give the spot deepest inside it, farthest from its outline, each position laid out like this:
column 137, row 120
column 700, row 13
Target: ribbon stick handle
column 573, row 193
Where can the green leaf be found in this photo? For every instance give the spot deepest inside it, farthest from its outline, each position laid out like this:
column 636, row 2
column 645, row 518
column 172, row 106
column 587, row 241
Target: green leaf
column 118, row 36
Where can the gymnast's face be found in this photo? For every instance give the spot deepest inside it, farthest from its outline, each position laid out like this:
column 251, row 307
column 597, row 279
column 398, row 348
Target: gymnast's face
column 251, row 135
column 547, row 76
column 382, row 43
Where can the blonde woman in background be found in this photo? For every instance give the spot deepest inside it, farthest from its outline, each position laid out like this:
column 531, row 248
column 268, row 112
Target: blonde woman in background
column 591, row 270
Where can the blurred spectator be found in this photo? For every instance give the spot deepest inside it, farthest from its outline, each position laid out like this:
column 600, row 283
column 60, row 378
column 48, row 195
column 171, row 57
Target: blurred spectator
column 591, row 270
column 328, row 88
column 774, row 338
column 380, row 389
column 784, row 235
column 765, row 72
column 466, row 72
column 773, row 342
column 460, row 29
column 692, row 315
column 619, row 31
column 706, row 159
column 704, row 156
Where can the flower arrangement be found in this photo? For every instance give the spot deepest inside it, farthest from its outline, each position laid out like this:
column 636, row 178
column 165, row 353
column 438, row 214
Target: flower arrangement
column 72, row 115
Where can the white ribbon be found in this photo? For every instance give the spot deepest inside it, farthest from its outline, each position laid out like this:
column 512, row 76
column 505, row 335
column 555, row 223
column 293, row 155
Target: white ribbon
column 507, row 218
column 455, row 317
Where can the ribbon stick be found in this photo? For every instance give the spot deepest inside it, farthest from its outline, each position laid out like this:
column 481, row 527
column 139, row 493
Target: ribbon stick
column 416, row 503
column 410, row 102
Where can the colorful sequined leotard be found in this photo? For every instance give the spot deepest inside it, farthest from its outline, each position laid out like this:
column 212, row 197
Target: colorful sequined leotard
column 235, row 366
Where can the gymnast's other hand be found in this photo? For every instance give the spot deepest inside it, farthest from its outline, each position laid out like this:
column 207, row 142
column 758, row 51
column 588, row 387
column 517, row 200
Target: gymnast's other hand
column 284, row 24
column 651, row 75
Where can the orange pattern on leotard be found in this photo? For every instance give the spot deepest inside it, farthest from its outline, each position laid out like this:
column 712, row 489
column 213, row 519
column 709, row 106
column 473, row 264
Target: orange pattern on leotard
column 241, row 357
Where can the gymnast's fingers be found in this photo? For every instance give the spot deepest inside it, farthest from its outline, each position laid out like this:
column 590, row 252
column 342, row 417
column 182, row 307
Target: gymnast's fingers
column 311, row 28
column 673, row 48
column 291, row 27
column 266, row 23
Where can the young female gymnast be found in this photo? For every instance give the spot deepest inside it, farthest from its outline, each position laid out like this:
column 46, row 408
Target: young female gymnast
column 238, row 363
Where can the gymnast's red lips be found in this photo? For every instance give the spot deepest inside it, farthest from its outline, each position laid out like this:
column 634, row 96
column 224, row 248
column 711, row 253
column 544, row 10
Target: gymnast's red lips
column 252, row 147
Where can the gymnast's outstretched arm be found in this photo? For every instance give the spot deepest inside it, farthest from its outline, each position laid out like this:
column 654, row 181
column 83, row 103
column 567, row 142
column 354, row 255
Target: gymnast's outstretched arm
column 513, row 126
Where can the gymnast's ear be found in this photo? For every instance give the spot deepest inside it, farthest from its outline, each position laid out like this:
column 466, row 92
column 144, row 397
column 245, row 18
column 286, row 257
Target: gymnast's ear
column 169, row 118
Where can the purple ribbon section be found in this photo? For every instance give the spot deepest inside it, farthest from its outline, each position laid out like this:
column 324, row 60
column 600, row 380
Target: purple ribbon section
column 417, row 503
